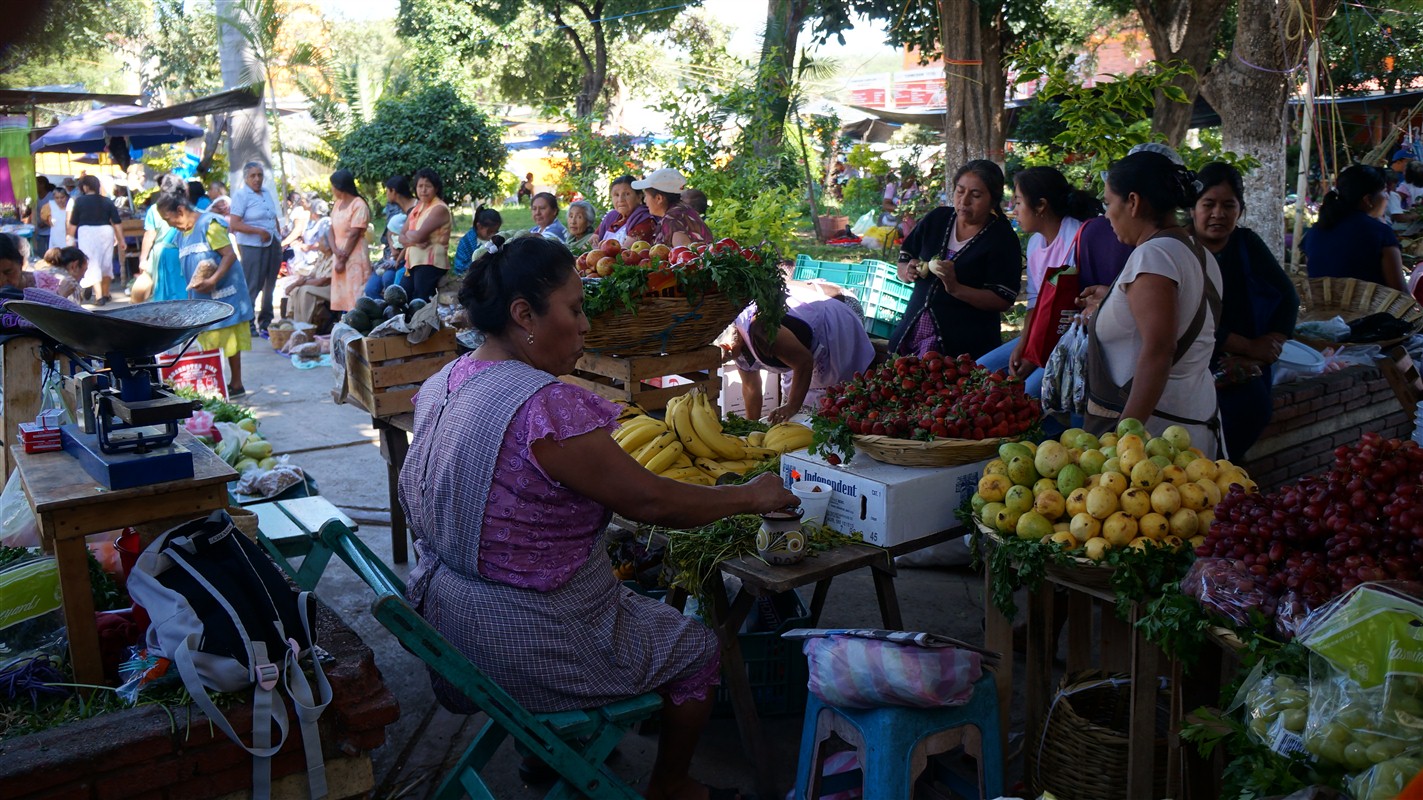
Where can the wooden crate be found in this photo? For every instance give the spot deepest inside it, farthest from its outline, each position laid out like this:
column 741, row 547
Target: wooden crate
column 21, row 377
column 383, row 374
column 626, row 379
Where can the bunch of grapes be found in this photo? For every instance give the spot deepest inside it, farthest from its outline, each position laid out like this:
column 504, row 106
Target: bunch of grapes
column 1311, row 541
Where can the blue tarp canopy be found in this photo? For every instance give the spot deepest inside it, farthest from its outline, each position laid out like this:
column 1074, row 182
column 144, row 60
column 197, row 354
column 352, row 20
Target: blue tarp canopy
column 539, row 142
column 91, row 131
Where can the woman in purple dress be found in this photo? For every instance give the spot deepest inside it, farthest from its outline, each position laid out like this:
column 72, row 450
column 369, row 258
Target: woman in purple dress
column 510, row 480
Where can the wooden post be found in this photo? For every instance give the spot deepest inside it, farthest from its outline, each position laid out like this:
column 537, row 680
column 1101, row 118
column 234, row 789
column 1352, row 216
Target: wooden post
column 1305, row 132
column 21, row 382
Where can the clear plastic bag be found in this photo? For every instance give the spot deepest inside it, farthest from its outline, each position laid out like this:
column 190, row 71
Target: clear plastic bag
column 31, row 614
column 1386, row 780
column 18, row 526
column 1226, row 587
column 1276, row 710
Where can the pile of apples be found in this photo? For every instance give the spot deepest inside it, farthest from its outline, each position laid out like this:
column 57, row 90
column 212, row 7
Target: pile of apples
column 610, row 254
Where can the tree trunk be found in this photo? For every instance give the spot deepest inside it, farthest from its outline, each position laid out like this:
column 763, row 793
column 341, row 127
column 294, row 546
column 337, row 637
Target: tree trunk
column 995, row 86
column 247, row 130
column 1251, row 101
column 595, row 74
column 774, row 73
column 212, row 138
column 968, row 130
column 1182, row 30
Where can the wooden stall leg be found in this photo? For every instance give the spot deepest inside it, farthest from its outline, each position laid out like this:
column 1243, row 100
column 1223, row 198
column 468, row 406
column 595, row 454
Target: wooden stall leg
column 726, row 621
column 1079, row 632
column 1037, row 688
column 1146, row 661
column 73, row 557
column 817, row 601
column 395, row 442
column 998, row 637
column 1116, row 641
column 885, row 593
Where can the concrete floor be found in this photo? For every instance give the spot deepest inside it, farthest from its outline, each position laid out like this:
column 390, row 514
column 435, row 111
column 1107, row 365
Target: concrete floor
column 336, row 445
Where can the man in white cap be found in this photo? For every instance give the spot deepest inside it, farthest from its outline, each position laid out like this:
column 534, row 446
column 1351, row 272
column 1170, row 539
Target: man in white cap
column 677, row 224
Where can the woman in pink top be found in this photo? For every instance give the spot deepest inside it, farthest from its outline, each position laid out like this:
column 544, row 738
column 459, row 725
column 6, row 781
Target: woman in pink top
column 509, row 482
column 350, row 216
column 1052, row 211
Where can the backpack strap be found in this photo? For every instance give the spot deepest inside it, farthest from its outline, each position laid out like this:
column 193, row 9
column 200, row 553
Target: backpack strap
column 309, row 706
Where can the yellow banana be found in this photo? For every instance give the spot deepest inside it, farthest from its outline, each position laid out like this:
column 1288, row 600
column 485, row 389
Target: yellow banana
column 654, row 447
column 681, row 473
column 680, row 419
column 708, row 428
column 760, row 453
column 684, row 461
column 787, row 436
column 699, row 480
column 633, row 440
column 665, row 457
column 756, row 438
column 710, row 467
column 630, row 410
column 738, row 466
column 639, row 422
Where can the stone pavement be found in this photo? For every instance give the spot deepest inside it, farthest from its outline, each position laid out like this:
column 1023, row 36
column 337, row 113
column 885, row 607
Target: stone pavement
column 336, row 445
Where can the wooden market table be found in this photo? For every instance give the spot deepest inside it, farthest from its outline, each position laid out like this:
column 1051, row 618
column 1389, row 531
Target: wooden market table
column 1120, row 648
column 759, row 578
column 69, row 505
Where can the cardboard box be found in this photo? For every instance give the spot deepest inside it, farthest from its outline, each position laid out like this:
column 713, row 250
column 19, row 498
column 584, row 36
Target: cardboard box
column 884, row 503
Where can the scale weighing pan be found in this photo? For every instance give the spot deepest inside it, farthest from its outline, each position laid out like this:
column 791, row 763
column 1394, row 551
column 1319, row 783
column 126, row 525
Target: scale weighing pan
column 136, row 331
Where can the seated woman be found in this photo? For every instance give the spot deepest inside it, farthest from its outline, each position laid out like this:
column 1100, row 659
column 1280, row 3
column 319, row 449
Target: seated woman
column 1150, row 342
column 544, row 208
column 310, row 288
column 510, row 480
column 975, row 268
column 1048, row 208
column 677, row 224
column 1258, row 306
column 487, row 222
column 581, row 235
column 61, row 270
column 1349, row 241
column 629, row 220
column 820, row 342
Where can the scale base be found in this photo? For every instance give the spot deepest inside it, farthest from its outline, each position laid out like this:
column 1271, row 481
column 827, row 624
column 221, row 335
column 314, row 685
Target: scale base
column 172, row 462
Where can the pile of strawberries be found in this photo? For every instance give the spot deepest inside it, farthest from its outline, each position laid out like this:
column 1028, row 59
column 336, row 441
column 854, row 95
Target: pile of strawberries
column 931, row 398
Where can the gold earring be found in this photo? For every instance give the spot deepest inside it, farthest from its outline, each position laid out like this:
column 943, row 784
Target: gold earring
column 529, row 340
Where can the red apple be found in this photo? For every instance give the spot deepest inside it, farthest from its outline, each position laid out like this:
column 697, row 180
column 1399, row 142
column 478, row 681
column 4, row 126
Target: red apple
column 610, row 247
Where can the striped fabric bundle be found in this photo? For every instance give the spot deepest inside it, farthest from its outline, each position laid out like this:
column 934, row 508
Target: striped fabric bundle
column 853, row 672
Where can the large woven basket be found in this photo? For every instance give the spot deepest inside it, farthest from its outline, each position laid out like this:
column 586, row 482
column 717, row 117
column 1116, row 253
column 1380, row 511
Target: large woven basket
column 661, row 325
column 1081, row 753
column 1326, row 298
column 938, row 453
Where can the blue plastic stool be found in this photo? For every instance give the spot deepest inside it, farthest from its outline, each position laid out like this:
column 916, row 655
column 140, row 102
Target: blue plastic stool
column 895, row 742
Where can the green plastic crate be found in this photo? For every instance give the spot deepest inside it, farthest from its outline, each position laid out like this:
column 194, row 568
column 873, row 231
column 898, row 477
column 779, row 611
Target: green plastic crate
column 852, row 276
column 886, row 298
column 777, row 669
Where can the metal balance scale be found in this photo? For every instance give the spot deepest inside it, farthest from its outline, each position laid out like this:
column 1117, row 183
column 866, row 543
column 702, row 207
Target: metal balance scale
column 128, row 419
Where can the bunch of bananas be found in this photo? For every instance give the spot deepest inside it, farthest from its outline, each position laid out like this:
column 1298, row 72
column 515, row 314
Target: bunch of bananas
column 691, row 447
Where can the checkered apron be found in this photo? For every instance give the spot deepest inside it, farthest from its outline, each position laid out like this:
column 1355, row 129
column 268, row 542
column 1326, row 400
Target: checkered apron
column 586, row 643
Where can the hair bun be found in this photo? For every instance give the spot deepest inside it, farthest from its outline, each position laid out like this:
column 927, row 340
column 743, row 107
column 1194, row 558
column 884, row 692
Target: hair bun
column 497, row 240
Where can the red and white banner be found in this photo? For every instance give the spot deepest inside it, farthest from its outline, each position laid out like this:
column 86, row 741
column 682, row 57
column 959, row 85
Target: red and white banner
column 200, row 371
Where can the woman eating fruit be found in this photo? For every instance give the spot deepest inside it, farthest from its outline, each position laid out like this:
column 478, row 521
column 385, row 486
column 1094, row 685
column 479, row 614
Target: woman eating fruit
column 510, row 480
column 629, row 220
column 966, row 265
column 820, row 342
column 1150, row 342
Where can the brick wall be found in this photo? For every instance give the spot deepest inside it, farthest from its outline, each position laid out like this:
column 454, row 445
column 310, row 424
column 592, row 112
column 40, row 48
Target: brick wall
column 1312, row 417
column 142, row 752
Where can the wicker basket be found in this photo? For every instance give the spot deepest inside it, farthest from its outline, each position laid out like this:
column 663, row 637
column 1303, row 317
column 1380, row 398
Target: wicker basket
column 1089, row 723
column 1349, row 298
column 661, row 325
column 938, row 453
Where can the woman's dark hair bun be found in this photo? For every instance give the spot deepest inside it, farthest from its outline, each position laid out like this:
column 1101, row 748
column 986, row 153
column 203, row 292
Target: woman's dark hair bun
column 1165, row 185
column 531, row 267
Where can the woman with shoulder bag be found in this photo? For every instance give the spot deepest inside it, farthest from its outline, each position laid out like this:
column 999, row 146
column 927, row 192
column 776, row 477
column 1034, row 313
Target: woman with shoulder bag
column 1150, row 343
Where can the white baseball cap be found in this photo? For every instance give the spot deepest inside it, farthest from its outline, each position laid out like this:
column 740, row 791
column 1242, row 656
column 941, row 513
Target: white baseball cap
column 663, row 180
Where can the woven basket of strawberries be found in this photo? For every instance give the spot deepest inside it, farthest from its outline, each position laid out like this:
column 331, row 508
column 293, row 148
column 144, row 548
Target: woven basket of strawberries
column 646, row 300
column 924, row 412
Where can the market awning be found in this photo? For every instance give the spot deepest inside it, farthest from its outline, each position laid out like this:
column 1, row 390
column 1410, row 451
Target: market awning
column 92, row 131
column 543, row 140
column 28, row 98
column 249, row 96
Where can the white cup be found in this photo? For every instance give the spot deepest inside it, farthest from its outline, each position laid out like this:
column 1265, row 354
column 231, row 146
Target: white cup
column 814, row 499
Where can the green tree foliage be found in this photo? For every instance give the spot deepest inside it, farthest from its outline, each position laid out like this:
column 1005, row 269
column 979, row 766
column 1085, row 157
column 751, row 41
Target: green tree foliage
column 430, row 127
column 67, row 42
column 594, row 159
column 1376, row 48
column 178, row 49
